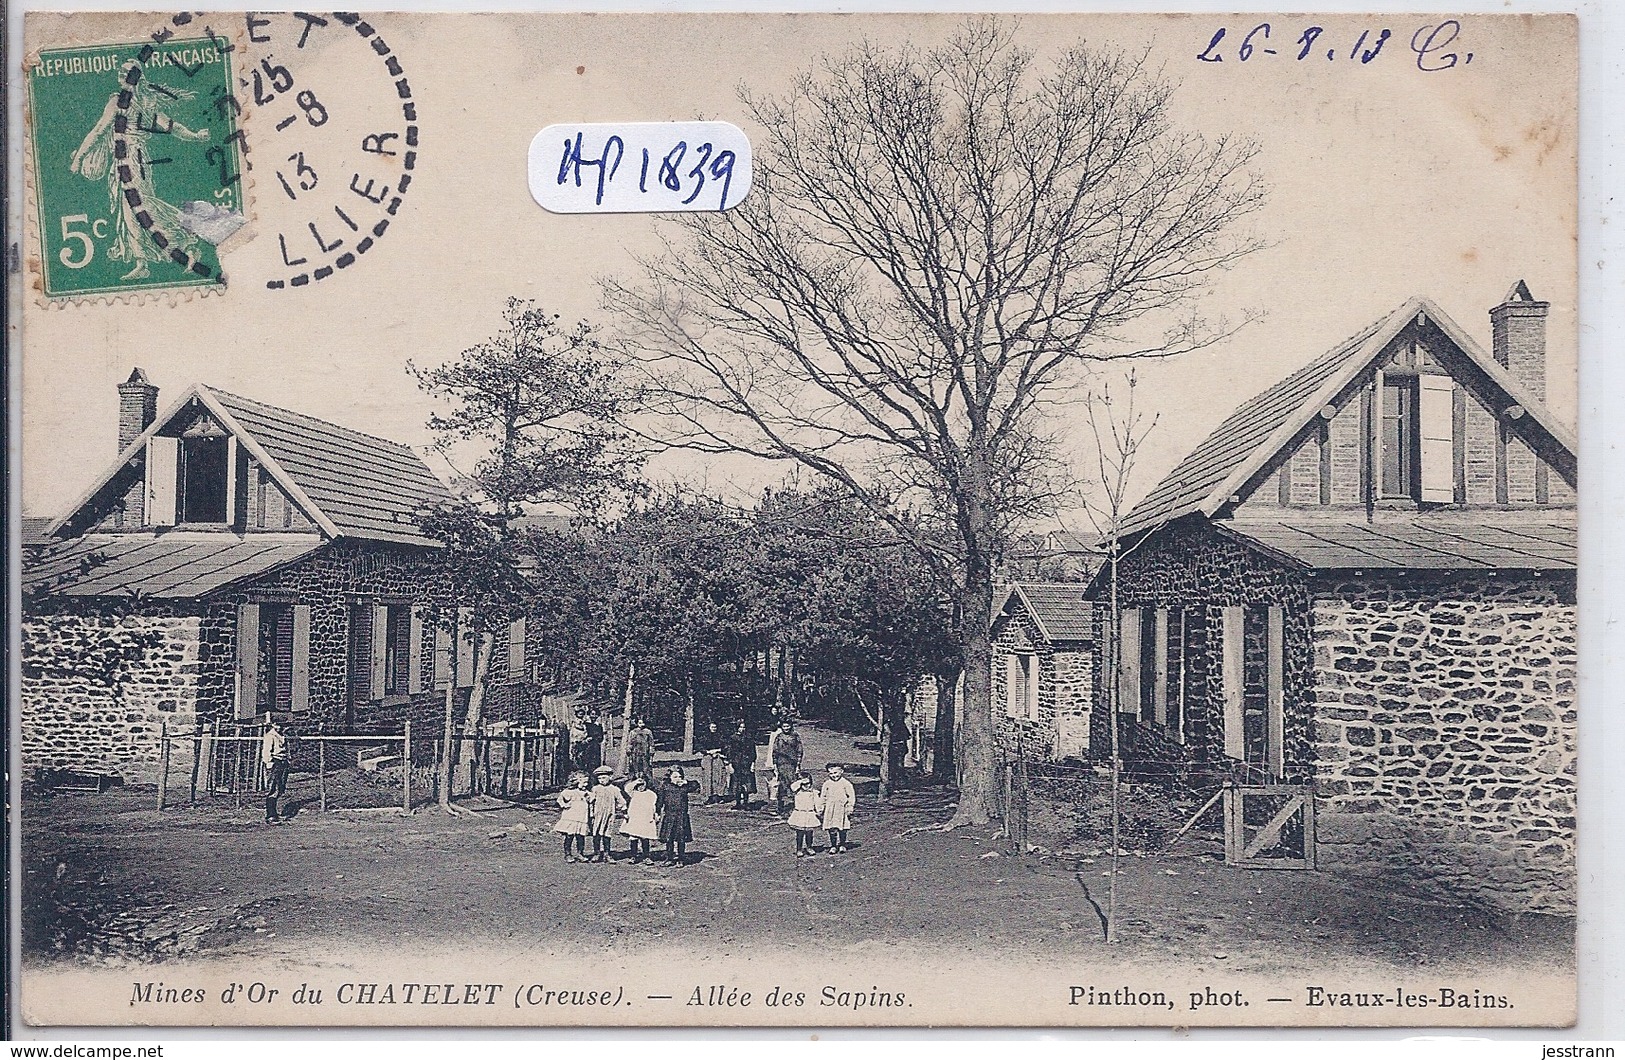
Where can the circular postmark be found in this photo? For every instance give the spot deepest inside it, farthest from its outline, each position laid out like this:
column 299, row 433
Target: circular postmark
column 336, row 125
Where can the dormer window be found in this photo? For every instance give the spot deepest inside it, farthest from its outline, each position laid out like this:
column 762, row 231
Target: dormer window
column 189, row 479
column 202, row 480
column 1416, row 437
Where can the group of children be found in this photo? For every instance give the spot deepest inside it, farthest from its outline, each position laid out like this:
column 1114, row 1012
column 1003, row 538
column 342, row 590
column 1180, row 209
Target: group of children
column 595, row 806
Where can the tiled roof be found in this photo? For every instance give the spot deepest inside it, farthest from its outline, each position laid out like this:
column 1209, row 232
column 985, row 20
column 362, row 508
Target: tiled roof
column 1207, row 466
column 170, row 566
column 1060, row 609
column 33, row 531
column 366, row 486
column 1456, row 540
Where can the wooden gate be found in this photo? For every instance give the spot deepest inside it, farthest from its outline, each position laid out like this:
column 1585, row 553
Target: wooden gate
column 1269, row 826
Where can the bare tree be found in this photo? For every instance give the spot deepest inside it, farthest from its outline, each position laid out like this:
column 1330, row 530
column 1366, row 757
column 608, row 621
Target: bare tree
column 1118, row 429
column 935, row 245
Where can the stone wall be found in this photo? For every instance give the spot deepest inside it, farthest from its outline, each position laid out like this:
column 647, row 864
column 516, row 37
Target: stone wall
column 1191, row 566
column 1445, row 735
column 1065, row 688
column 97, row 685
column 98, row 679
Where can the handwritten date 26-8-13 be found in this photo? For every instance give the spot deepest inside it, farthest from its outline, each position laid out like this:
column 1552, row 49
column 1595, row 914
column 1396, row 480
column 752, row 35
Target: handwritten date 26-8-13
column 1432, row 46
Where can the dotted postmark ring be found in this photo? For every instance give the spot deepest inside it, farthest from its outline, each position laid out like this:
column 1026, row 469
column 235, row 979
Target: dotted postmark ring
column 143, row 216
column 408, row 105
column 395, row 195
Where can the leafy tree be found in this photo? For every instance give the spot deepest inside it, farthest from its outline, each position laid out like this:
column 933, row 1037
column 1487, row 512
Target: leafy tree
column 538, row 403
column 938, row 245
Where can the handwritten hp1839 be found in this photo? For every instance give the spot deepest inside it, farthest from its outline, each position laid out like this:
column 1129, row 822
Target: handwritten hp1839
column 639, row 167
column 1432, row 46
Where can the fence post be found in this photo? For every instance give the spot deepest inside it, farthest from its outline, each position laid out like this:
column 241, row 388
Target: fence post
column 321, row 774
column 237, row 776
column 197, row 755
column 406, row 768
column 163, row 763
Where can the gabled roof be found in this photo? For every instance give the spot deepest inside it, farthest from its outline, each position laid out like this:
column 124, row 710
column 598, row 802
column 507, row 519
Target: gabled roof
column 1257, row 431
column 350, row 484
column 1482, row 540
column 33, row 531
column 169, row 566
column 1060, row 609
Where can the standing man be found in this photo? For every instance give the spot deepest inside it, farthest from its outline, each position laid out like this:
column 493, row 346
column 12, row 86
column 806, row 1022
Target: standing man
column 274, row 757
column 785, row 751
column 741, row 751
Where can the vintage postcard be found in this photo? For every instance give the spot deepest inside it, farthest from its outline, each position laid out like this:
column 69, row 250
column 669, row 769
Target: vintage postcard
column 709, row 519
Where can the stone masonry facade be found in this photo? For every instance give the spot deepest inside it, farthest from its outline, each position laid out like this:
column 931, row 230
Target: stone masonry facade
column 1445, row 735
column 99, row 677
column 1065, row 688
column 1192, row 568
column 97, row 685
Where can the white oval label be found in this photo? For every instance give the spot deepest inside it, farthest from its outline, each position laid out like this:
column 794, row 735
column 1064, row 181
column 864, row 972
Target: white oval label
column 639, row 167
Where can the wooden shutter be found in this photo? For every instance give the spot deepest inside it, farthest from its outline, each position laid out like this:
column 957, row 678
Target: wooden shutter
column 300, row 698
column 248, row 661
column 1235, row 738
column 465, row 647
column 1014, row 685
column 442, row 656
column 231, row 481
column 380, row 654
column 163, row 475
column 1159, row 687
column 1034, row 667
column 414, row 654
column 1128, row 662
column 1275, row 674
column 1437, row 415
column 516, row 651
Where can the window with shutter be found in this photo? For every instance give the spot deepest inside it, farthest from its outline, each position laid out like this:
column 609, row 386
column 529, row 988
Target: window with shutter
column 1275, row 684
column 163, row 469
column 380, row 652
column 248, row 661
column 1031, row 666
column 1234, row 646
column 414, row 666
column 1129, row 653
column 360, row 656
column 300, row 695
column 1015, row 686
column 442, row 655
column 1436, row 411
column 1159, row 686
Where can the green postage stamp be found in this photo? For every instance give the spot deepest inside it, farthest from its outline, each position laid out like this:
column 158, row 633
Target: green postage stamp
column 137, row 156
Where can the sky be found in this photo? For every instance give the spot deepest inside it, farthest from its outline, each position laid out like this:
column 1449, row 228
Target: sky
column 1387, row 182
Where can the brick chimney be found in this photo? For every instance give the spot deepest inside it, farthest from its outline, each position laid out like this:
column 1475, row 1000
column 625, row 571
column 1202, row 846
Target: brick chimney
column 137, row 407
column 1518, row 336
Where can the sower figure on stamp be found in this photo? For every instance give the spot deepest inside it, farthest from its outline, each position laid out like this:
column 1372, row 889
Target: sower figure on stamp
column 784, row 749
column 94, row 161
column 274, row 757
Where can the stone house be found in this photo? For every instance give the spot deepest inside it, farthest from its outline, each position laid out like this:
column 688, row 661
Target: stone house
column 1364, row 578
column 238, row 558
column 1043, row 669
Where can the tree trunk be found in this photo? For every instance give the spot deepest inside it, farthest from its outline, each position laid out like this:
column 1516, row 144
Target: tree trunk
column 443, row 781
column 626, row 713
column 942, row 750
column 688, row 713
column 978, row 795
column 476, row 705
column 883, row 737
column 1114, row 640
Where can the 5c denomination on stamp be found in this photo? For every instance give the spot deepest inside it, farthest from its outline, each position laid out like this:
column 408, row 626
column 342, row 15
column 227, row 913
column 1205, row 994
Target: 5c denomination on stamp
column 136, row 152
